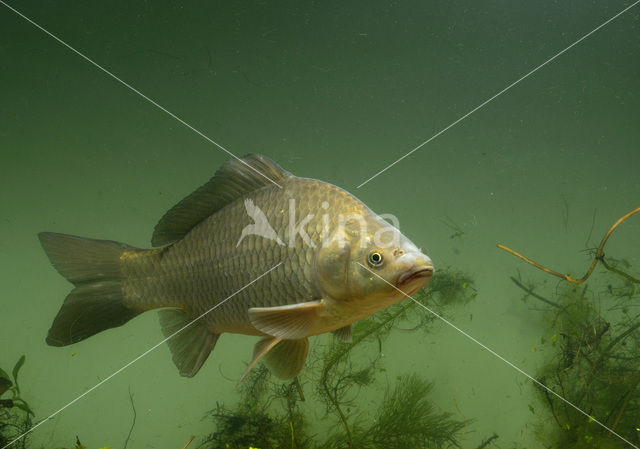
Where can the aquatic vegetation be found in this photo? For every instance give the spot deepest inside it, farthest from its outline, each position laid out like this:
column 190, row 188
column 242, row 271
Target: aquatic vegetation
column 595, row 355
column 250, row 425
column 405, row 418
column 450, row 287
column 455, row 227
column 15, row 413
column 598, row 257
column 593, row 362
column 269, row 414
column 12, row 423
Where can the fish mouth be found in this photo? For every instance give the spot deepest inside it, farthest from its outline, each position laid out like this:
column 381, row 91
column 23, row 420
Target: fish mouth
column 423, row 273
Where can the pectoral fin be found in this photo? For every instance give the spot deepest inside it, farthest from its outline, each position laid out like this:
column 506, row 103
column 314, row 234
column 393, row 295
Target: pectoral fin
column 289, row 322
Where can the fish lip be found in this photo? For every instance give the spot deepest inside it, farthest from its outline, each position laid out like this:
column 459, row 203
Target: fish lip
column 424, row 272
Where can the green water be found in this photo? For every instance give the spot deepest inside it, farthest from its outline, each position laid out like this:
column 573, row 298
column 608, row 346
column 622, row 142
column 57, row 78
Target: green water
column 330, row 90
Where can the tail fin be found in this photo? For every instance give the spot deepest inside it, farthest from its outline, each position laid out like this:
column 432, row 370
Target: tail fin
column 96, row 303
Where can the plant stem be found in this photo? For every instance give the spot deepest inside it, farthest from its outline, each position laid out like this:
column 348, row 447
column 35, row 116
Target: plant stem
column 624, row 404
column 133, row 423
column 332, row 395
column 486, row 442
column 535, row 295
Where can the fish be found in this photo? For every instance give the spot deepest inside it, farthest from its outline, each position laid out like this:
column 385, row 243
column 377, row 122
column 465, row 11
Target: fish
column 257, row 251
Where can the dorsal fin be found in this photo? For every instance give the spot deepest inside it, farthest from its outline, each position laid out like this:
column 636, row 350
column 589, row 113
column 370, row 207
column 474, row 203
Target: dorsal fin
column 233, row 180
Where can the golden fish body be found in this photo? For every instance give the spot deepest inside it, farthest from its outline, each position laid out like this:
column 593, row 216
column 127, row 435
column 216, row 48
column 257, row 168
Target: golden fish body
column 315, row 242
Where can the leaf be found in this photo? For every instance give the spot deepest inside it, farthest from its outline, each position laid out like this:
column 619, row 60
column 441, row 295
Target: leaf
column 5, row 384
column 23, row 406
column 78, row 444
column 16, row 370
column 3, row 374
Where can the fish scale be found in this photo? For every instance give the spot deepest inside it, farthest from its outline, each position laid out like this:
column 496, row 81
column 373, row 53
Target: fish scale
column 217, row 268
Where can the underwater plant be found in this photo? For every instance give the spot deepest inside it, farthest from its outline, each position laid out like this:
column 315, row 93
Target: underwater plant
column 594, row 369
column 455, row 227
column 599, row 256
column 250, row 425
column 269, row 414
column 404, row 418
column 12, row 423
column 16, row 414
column 593, row 363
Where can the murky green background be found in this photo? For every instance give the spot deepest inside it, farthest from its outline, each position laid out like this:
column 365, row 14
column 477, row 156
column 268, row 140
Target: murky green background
column 330, row 90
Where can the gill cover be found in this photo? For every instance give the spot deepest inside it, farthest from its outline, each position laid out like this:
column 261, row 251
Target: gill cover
column 332, row 264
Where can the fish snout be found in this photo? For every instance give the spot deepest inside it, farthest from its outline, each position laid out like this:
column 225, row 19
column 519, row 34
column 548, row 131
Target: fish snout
column 424, row 272
column 418, row 273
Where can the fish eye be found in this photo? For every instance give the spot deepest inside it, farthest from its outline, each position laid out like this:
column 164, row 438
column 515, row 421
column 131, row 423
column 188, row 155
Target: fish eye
column 375, row 258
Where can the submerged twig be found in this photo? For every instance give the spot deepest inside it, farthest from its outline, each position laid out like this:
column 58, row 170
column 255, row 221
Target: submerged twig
column 486, row 442
column 535, row 295
column 565, row 213
column 619, row 272
column 188, row 442
column 133, row 423
column 291, row 403
column 624, row 404
column 336, row 404
column 298, row 388
column 457, row 230
column 621, row 337
column 593, row 224
column 598, row 257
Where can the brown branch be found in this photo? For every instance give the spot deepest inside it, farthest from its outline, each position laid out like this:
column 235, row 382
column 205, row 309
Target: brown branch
column 598, row 257
column 188, row 442
column 619, row 272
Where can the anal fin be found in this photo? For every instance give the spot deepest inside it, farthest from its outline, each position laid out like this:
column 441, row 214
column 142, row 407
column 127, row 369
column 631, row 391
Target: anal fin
column 192, row 345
